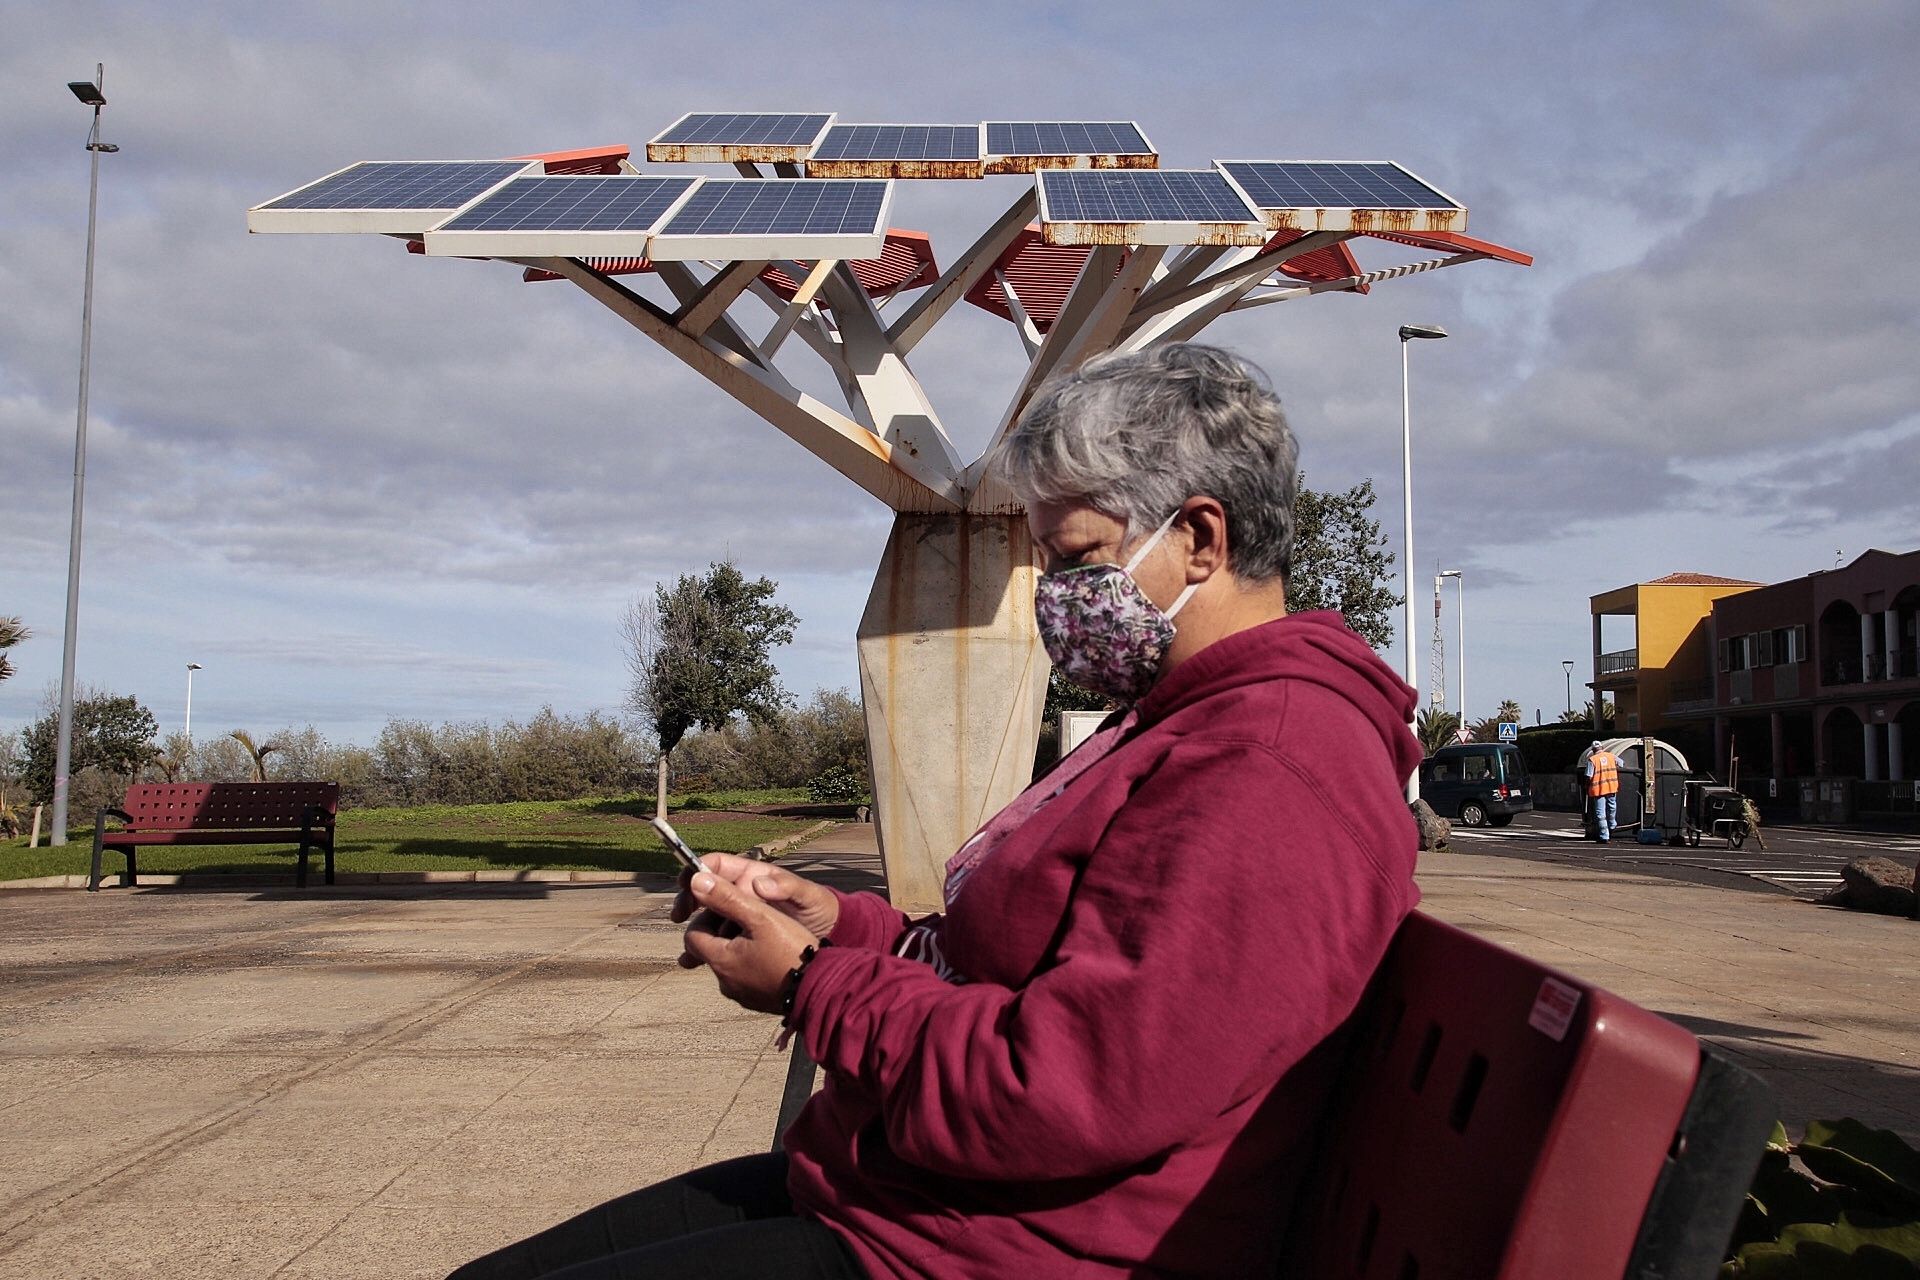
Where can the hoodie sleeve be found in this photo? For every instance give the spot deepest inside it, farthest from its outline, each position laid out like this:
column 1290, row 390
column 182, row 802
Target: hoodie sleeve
column 1226, row 922
column 866, row 920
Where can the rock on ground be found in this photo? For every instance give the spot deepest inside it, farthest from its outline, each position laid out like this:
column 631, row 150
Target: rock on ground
column 1434, row 829
column 1879, row 885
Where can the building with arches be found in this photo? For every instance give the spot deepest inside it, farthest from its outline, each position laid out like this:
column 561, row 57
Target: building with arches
column 1813, row 683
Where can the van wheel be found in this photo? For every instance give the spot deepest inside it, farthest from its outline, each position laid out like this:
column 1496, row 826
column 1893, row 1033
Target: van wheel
column 1473, row 813
column 1499, row 819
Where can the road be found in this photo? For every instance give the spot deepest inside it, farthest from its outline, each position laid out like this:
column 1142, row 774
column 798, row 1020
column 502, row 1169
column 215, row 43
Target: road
column 1803, row 861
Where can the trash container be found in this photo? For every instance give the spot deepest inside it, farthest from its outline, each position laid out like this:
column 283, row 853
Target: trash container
column 1809, row 800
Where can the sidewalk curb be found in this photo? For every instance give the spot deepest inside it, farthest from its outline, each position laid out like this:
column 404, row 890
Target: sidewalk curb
column 773, row 848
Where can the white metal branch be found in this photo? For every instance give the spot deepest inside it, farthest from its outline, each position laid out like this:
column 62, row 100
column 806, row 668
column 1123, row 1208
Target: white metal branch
column 837, row 440
column 963, row 273
column 699, row 312
column 902, row 413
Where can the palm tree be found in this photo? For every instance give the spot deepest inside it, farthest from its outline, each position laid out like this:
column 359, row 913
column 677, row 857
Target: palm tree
column 12, row 632
column 1435, row 728
column 259, row 753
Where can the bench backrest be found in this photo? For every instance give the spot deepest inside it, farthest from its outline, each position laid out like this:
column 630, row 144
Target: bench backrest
column 228, row 806
column 1499, row 1119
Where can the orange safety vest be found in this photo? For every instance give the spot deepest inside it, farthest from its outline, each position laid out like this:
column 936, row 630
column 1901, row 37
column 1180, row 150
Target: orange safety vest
column 1606, row 774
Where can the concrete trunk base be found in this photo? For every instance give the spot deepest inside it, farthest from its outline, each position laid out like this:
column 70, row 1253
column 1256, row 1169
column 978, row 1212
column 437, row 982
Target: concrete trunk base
column 953, row 679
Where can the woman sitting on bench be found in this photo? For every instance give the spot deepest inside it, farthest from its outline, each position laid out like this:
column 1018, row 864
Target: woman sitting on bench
column 1107, row 1056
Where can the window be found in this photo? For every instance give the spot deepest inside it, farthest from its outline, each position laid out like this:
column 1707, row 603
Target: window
column 1764, row 643
column 1476, row 768
column 1800, row 644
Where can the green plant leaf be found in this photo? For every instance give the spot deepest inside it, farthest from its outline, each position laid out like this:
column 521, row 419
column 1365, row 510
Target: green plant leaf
column 1875, row 1161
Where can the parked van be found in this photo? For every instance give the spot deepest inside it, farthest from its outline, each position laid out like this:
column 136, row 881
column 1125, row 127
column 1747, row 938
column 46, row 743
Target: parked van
column 1480, row 783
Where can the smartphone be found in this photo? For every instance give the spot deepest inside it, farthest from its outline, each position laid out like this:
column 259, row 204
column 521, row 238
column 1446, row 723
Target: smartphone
column 676, row 844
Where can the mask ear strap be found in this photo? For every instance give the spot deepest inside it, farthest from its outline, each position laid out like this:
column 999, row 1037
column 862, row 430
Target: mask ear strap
column 1134, row 561
column 1179, row 601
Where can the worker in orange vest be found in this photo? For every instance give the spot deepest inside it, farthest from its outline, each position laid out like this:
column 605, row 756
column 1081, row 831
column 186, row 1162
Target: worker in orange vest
column 1603, row 785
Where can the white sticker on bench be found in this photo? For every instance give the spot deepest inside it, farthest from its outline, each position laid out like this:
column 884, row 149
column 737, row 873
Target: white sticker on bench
column 1553, row 1008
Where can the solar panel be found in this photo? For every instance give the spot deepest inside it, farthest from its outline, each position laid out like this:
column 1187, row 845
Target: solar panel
column 562, row 217
column 1343, row 196
column 898, row 151
column 392, row 196
column 777, row 218
column 1026, row 146
column 1145, row 206
column 724, row 137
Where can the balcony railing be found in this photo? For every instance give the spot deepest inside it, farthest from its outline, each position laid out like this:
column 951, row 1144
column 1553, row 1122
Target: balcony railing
column 1608, row 664
column 1897, row 664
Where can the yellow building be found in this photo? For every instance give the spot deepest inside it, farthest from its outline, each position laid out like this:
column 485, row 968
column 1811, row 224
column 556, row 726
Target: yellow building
column 1669, row 666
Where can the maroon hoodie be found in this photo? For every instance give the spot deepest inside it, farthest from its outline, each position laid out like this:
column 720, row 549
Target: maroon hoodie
column 1118, row 1075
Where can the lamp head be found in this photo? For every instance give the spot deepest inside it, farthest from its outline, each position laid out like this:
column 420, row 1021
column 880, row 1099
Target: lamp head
column 194, row 666
column 1421, row 331
column 88, row 92
column 1449, row 573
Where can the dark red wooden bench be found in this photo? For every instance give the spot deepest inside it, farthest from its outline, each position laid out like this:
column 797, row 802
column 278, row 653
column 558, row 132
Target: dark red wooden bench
column 1500, row 1120
column 299, row 813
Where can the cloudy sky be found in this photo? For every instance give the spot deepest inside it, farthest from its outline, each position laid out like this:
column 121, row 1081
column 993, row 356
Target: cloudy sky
column 356, row 484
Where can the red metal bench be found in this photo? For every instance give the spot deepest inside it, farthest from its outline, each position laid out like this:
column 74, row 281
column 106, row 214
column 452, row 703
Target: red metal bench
column 1500, row 1120
column 299, row 813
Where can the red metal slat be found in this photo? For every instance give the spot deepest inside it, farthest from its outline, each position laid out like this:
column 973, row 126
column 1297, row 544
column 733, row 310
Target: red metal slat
column 1453, row 242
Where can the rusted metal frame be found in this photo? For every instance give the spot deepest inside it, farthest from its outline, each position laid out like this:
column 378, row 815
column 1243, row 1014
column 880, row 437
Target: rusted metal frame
column 899, row 406
column 835, row 439
column 1240, row 275
column 963, row 273
column 713, row 298
column 1355, row 282
column 797, row 306
column 1097, row 277
column 1030, row 335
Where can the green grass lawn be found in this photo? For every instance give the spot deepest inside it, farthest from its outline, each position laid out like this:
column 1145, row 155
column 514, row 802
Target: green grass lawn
column 565, row 835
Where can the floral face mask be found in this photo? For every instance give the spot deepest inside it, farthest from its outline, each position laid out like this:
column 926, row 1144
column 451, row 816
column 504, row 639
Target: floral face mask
column 1099, row 627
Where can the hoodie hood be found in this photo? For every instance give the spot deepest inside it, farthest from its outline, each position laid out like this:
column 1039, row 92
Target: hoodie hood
column 1316, row 647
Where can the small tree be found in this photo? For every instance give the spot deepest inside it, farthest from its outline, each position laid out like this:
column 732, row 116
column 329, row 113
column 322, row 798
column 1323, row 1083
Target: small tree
column 1341, row 561
column 257, row 751
column 697, row 654
column 12, row 632
column 111, row 733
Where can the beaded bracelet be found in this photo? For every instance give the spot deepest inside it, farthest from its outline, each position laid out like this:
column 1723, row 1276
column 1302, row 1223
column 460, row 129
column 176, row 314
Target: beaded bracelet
column 794, row 975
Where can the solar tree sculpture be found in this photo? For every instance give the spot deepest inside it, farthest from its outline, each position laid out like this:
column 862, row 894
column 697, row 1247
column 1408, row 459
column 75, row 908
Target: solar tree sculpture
column 1101, row 249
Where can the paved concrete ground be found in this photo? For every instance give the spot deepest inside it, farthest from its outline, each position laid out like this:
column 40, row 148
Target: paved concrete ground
column 385, row 1082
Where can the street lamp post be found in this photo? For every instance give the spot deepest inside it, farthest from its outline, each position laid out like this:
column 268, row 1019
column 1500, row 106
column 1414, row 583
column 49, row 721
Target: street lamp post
column 1407, row 333
column 89, row 92
column 1460, row 609
column 1566, row 664
column 191, row 668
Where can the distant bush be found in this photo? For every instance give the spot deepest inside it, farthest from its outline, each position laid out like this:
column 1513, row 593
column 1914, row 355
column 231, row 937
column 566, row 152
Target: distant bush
column 1554, row 748
column 838, row 785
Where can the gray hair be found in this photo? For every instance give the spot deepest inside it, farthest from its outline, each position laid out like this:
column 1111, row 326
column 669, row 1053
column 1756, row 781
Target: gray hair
column 1134, row 436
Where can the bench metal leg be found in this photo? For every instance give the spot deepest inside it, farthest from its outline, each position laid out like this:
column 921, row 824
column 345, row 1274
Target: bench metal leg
column 799, row 1087
column 99, row 836
column 300, row 869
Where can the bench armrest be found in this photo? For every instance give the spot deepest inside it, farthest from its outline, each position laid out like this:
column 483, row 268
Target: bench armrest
column 108, row 811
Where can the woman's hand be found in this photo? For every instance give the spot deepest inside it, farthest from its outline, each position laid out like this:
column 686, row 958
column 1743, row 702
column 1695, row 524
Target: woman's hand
column 812, row 906
column 750, row 944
